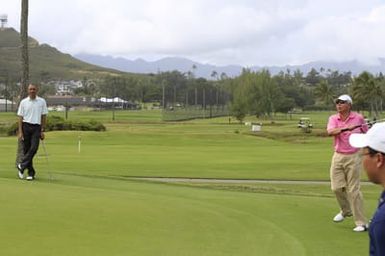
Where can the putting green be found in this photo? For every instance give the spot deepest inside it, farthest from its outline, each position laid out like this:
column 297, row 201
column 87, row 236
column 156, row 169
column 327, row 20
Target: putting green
column 75, row 215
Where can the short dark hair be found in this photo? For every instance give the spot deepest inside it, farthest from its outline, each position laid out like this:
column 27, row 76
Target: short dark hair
column 372, row 152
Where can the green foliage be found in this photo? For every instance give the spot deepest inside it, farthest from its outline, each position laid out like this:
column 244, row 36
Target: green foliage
column 325, row 93
column 56, row 123
column 369, row 92
column 256, row 93
column 11, row 130
column 239, row 110
column 313, row 77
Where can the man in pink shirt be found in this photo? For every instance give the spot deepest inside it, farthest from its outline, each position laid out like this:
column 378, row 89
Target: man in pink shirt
column 345, row 170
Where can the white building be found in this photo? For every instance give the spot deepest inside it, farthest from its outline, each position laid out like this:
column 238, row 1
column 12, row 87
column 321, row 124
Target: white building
column 7, row 105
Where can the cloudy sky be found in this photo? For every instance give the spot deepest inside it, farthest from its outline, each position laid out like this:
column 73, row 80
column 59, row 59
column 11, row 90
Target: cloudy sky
column 220, row 32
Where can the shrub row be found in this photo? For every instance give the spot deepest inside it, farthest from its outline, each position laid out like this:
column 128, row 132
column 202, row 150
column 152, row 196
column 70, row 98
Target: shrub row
column 56, row 123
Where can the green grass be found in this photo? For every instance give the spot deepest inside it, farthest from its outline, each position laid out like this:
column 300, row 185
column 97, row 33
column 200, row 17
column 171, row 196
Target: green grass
column 183, row 150
column 76, row 215
column 93, row 207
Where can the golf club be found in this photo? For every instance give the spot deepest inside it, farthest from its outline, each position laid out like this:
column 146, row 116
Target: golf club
column 368, row 123
column 46, row 158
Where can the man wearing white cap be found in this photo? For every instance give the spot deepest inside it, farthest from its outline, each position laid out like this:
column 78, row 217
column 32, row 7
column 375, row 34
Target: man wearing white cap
column 373, row 152
column 345, row 170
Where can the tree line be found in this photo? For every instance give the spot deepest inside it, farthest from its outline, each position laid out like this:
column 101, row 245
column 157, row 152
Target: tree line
column 251, row 93
column 263, row 94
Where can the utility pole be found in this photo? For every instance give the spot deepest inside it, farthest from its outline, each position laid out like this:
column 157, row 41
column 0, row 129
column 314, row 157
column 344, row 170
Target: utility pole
column 163, row 96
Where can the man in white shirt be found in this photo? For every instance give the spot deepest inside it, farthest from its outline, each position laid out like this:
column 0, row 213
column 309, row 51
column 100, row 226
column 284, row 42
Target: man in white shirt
column 32, row 115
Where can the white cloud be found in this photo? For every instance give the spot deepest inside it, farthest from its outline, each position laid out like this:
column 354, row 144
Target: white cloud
column 246, row 32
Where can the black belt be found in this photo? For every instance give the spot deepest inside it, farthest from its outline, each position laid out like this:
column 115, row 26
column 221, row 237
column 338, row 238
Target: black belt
column 29, row 124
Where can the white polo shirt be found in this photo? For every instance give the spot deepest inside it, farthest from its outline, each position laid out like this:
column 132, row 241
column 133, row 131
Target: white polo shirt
column 32, row 110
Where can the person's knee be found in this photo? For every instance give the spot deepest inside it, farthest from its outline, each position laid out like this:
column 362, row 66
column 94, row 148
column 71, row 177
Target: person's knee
column 338, row 190
column 33, row 149
column 353, row 194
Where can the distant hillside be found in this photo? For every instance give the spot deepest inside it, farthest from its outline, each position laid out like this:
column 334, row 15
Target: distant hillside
column 205, row 70
column 166, row 64
column 353, row 66
column 45, row 61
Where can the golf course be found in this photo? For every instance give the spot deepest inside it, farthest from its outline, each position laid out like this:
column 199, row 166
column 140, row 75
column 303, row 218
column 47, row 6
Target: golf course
column 90, row 196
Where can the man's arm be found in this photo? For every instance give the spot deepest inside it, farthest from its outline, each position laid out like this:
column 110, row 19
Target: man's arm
column 20, row 125
column 43, row 123
column 336, row 131
column 332, row 127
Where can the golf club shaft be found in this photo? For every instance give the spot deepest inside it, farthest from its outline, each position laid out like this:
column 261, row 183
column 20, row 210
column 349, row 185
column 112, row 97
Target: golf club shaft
column 372, row 122
column 368, row 123
column 46, row 158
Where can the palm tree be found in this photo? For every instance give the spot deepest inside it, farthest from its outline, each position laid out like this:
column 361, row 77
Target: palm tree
column 367, row 89
column 324, row 92
column 214, row 74
column 24, row 65
column 194, row 67
column 24, row 49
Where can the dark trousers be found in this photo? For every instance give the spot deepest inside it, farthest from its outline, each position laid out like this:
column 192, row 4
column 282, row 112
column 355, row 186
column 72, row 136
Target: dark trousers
column 31, row 134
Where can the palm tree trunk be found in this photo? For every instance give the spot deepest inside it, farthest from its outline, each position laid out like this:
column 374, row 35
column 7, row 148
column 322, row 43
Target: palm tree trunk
column 24, row 49
column 24, row 64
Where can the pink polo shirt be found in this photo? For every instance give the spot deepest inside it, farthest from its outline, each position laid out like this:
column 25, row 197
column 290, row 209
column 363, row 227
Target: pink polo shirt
column 341, row 141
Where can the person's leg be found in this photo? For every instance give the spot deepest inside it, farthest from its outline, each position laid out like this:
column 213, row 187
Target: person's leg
column 31, row 145
column 27, row 137
column 31, row 170
column 343, row 201
column 338, row 184
column 353, row 176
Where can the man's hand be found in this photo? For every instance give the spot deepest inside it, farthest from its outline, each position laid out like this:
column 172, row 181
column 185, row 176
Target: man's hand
column 42, row 136
column 352, row 127
column 20, row 136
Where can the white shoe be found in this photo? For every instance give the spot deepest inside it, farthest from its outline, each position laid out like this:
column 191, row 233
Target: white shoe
column 360, row 228
column 30, row 177
column 338, row 218
column 21, row 175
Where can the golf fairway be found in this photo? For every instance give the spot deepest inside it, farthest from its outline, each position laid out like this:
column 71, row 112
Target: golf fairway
column 92, row 206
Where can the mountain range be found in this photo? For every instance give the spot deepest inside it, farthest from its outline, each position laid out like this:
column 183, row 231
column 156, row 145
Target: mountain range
column 205, row 70
column 47, row 62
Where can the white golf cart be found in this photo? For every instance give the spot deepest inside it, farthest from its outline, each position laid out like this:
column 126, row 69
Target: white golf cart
column 305, row 124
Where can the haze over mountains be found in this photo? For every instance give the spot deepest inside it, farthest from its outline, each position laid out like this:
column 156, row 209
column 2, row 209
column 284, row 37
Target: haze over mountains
column 205, row 70
column 50, row 62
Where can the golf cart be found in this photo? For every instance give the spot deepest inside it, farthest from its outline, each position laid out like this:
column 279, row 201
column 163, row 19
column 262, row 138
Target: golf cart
column 305, row 124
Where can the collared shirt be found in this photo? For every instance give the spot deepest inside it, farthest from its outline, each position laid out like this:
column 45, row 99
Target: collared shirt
column 341, row 141
column 377, row 230
column 32, row 109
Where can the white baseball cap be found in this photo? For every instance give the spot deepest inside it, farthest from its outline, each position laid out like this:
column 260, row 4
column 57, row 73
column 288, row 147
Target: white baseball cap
column 374, row 138
column 346, row 98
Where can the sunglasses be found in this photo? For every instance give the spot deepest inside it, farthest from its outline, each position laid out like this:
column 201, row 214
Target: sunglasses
column 341, row 102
